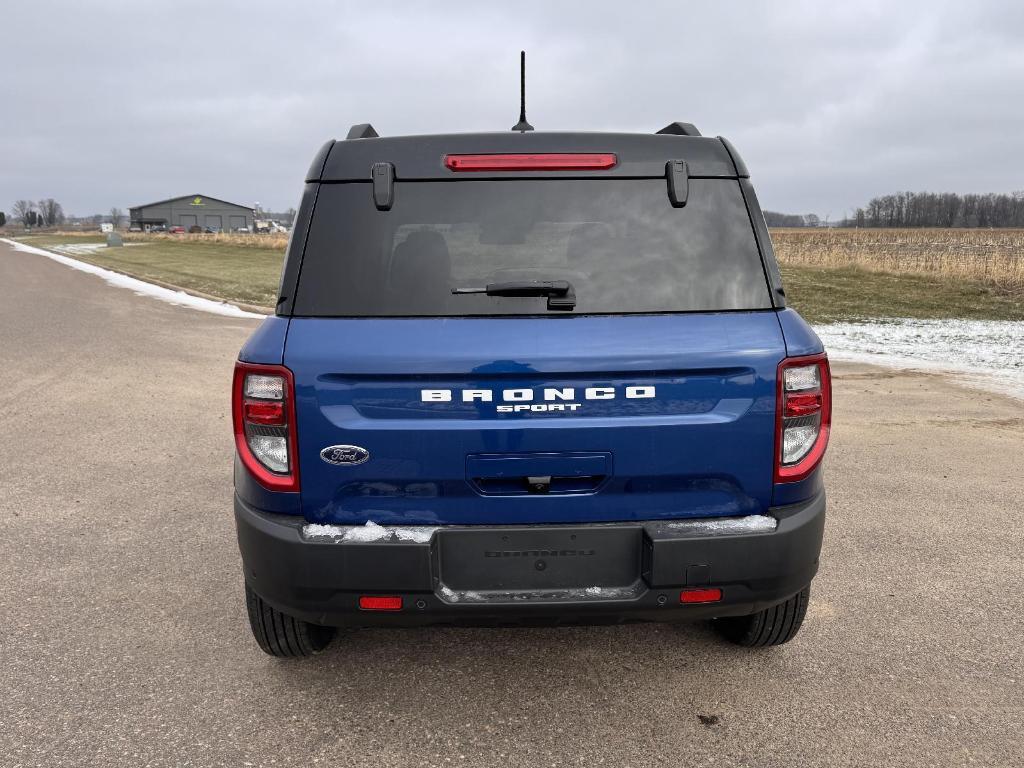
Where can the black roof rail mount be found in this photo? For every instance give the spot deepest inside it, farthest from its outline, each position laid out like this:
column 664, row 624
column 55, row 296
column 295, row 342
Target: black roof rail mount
column 680, row 129
column 362, row 131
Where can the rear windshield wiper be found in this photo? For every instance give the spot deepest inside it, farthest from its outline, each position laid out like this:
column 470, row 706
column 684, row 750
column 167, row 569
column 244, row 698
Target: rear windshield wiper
column 559, row 292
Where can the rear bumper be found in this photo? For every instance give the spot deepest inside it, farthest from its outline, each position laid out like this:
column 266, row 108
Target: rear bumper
column 459, row 575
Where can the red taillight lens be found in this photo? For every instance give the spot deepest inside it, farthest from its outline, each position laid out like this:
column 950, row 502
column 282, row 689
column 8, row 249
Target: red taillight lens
column 372, row 603
column 263, row 411
column 802, row 403
column 803, row 416
column 565, row 161
column 700, row 595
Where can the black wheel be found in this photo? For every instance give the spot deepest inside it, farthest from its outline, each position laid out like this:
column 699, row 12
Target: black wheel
column 281, row 635
column 772, row 626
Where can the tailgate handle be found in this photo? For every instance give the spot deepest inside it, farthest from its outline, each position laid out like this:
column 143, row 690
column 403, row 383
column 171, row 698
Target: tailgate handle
column 537, row 473
column 539, row 484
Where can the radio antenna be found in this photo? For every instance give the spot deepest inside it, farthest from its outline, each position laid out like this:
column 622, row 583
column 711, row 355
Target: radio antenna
column 522, row 126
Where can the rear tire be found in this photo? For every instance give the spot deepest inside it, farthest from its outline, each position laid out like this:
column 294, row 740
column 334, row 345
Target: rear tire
column 772, row 626
column 281, row 635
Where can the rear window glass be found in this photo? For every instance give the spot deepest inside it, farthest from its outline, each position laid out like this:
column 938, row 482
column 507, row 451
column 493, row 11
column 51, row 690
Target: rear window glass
column 618, row 242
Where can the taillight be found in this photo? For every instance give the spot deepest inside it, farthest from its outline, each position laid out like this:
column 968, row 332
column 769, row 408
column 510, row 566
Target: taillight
column 263, row 410
column 547, row 161
column 803, row 416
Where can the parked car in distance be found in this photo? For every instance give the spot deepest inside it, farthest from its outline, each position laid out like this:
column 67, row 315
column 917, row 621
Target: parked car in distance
column 132, row 228
column 245, row 230
column 529, row 378
column 176, row 230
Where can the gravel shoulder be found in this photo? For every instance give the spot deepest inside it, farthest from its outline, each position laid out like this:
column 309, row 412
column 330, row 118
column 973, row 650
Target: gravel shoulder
column 123, row 638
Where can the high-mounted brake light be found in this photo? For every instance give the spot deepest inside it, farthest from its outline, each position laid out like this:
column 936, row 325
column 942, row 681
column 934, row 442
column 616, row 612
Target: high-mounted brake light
column 564, row 161
column 803, row 416
column 263, row 411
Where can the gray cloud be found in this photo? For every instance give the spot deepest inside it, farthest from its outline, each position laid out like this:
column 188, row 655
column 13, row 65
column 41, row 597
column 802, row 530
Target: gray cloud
column 116, row 103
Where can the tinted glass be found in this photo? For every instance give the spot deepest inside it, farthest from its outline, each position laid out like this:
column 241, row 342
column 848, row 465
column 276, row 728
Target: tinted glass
column 619, row 242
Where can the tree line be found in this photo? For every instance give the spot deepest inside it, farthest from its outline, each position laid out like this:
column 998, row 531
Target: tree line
column 947, row 209
column 50, row 213
column 45, row 213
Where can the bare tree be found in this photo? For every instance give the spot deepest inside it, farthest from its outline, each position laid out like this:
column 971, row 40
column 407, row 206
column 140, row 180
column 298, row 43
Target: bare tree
column 22, row 209
column 51, row 212
column 115, row 217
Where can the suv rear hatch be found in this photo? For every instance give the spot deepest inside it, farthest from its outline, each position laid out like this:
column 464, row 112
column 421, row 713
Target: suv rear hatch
column 652, row 398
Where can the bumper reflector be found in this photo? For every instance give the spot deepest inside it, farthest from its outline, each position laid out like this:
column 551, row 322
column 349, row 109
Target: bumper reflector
column 700, row 595
column 376, row 603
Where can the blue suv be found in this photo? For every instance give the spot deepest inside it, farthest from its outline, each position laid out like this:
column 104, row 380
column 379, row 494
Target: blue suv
column 529, row 378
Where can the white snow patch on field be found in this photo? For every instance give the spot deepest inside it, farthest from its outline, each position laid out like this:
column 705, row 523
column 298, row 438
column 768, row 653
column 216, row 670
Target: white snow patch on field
column 139, row 287
column 988, row 353
column 78, row 249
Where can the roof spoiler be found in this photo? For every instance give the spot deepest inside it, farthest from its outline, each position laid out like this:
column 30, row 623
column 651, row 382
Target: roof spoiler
column 362, row 131
column 680, row 129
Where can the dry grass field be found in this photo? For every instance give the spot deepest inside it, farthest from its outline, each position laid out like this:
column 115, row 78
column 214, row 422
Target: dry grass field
column 276, row 242
column 994, row 257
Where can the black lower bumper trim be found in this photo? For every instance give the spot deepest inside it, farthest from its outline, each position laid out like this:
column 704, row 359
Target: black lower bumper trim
column 616, row 572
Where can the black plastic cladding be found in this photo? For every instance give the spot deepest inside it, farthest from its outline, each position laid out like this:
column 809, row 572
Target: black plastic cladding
column 422, row 157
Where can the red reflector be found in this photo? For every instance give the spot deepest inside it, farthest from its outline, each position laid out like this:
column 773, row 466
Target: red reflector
column 532, row 162
column 263, row 412
column 370, row 603
column 700, row 595
column 802, row 403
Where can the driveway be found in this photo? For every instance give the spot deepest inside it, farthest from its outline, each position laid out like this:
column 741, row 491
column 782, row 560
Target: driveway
column 123, row 636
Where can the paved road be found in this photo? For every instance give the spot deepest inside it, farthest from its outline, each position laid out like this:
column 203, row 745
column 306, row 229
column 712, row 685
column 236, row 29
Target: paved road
column 123, row 639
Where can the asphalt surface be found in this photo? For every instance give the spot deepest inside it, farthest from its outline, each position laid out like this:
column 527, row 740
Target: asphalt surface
column 124, row 641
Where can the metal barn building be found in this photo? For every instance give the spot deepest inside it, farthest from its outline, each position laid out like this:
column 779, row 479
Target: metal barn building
column 193, row 211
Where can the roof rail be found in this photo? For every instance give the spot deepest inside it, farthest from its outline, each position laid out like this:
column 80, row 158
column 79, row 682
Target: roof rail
column 680, row 129
column 362, row 131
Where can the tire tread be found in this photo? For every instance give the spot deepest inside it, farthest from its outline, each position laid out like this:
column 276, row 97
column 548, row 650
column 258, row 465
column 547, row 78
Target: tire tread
column 280, row 635
column 775, row 625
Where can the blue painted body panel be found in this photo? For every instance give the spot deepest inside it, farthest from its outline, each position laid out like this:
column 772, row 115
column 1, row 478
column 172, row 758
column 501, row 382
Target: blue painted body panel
column 699, row 444
column 800, row 337
column 266, row 345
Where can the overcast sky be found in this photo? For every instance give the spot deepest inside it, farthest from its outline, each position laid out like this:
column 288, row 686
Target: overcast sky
column 118, row 103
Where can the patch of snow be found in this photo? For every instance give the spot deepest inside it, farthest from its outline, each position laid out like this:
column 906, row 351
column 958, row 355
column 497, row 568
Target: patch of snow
column 539, row 596
column 989, row 353
column 139, row 287
column 748, row 524
column 72, row 249
column 449, row 595
column 418, row 533
column 370, row 532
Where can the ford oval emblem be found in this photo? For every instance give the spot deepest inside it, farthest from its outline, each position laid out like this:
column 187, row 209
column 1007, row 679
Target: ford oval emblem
column 347, row 455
